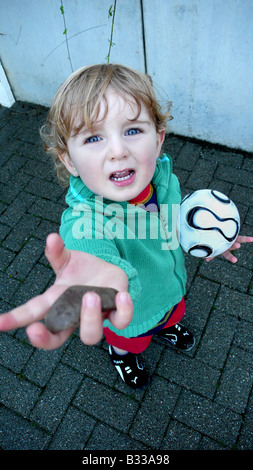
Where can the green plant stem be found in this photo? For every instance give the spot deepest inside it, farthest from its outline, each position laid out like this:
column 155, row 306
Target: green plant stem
column 66, row 35
column 111, row 37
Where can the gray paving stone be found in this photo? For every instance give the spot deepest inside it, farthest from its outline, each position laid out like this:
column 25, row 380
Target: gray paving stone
column 244, row 256
column 43, row 170
column 245, row 440
column 6, row 257
column 17, row 393
column 20, row 353
column 26, row 134
column 45, row 189
column 223, row 157
column 56, row 397
column 105, row 404
column 48, row 210
column 91, row 361
column 8, row 285
column 153, row 417
column 235, row 276
column 35, row 283
column 228, row 173
column 201, row 175
column 11, row 167
column 44, row 228
column 172, row 145
column 189, row 373
column 249, row 217
column 180, row 437
column 72, row 398
column 106, row 438
column 4, row 307
column 4, row 231
column 26, row 259
column 17, row 208
column 236, row 381
column 17, row 433
column 220, row 185
column 244, row 336
column 209, row 418
column 217, row 339
column 23, row 230
column 14, row 187
column 8, row 147
column 234, row 303
column 188, row 156
column 3, row 207
column 41, row 365
column 242, row 193
column 199, row 303
column 73, row 431
column 209, row 444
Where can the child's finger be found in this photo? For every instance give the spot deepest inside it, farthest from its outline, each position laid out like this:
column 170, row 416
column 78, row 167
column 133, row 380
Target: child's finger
column 235, row 246
column 121, row 317
column 91, row 319
column 244, row 239
column 55, row 252
column 32, row 311
column 230, row 257
column 40, row 337
column 21, row 316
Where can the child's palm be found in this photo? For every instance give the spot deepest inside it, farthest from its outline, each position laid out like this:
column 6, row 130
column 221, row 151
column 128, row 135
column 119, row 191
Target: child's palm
column 71, row 268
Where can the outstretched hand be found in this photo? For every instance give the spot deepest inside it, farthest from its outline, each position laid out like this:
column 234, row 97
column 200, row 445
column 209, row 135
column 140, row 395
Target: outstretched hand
column 228, row 255
column 72, row 268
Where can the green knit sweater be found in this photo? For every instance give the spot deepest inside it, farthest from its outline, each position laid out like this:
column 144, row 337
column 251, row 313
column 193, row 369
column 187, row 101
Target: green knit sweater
column 139, row 242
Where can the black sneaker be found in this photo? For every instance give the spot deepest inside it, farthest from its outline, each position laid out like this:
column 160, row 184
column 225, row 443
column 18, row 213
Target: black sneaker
column 130, row 368
column 178, row 336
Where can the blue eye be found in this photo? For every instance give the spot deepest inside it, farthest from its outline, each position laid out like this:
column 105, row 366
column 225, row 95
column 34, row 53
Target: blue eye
column 92, row 139
column 132, row 131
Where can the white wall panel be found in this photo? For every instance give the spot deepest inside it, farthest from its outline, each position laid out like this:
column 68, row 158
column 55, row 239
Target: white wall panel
column 33, row 49
column 199, row 54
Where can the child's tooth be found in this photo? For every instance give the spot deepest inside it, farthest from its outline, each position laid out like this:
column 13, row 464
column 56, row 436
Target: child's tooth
column 116, row 176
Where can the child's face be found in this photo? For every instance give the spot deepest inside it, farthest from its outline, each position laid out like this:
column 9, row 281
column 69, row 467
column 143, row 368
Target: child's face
column 118, row 159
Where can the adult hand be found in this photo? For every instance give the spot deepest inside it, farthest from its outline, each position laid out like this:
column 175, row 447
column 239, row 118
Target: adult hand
column 72, row 268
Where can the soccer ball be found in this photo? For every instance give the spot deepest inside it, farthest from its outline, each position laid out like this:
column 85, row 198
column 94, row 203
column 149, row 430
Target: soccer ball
column 208, row 223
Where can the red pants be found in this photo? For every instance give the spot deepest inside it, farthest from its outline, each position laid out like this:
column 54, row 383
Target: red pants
column 139, row 344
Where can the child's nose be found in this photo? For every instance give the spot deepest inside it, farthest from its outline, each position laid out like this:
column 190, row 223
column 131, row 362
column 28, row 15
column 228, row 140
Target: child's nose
column 117, row 150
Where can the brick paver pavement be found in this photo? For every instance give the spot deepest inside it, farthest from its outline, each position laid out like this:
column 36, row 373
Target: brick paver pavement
column 66, row 399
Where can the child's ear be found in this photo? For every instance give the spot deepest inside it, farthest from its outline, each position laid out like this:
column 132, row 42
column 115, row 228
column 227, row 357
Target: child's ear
column 160, row 136
column 66, row 160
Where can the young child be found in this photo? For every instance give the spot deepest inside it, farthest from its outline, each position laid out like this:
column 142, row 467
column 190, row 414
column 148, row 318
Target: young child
column 105, row 130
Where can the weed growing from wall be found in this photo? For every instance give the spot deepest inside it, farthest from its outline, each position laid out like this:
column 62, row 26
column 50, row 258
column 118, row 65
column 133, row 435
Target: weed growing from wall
column 111, row 14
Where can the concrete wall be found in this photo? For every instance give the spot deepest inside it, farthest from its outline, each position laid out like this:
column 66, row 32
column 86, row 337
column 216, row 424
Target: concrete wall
column 202, row 56
column 33, row 48
column 199, row 53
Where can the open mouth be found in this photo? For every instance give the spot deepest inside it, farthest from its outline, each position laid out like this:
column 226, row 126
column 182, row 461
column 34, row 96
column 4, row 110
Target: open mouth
column 123, row 175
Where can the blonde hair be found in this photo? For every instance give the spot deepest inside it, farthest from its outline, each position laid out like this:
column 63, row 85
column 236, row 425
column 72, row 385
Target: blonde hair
column 77, row 103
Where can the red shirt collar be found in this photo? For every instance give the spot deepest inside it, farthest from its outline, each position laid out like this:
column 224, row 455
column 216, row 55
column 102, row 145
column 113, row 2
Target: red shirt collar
column 144, row 196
